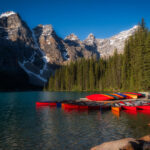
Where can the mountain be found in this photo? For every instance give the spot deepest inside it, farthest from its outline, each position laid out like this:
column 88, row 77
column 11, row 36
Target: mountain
column 77, row 49
column 106, row 47
column 20, row 55
column 90, row 40
column 52, row 45
column 29, row 56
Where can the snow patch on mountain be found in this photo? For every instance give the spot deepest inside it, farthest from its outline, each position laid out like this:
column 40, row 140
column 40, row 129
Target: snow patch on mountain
column 123, row 35
column 7, row 14
column 90, row 39
column 22, row 65
column 47, row 30
column 72, row 37
column 107, row 46
column 45, row 58
column 32, row 59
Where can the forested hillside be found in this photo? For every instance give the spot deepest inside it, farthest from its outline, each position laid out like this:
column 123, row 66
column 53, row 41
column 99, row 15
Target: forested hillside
column 127, row 71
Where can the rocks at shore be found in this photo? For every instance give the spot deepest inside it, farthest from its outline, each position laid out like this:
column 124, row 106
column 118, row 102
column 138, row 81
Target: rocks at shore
column 126, row 144
column 114, row 145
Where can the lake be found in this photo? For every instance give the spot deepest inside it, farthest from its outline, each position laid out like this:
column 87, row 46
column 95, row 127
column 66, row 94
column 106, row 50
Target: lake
column 23, row 126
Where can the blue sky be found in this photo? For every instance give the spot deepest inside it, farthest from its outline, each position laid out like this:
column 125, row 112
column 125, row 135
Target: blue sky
column 103, row 18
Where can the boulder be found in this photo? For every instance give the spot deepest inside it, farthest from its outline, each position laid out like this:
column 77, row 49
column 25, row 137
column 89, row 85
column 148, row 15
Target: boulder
column 146, row 146
column 142, row 143
column 132, row 145
column 145, row 138
column 114, row 145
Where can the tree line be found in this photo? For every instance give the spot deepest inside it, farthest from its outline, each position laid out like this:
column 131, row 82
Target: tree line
column 128, row 71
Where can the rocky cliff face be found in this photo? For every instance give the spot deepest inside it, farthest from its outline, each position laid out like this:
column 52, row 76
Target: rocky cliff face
column 77, row 49
column 92, row 47
column 50, row 44
column 106, row 47
column 19, row 50
column 34, row 54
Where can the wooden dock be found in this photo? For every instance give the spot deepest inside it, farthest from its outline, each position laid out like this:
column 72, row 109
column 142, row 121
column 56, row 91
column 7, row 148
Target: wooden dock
column 112, row 101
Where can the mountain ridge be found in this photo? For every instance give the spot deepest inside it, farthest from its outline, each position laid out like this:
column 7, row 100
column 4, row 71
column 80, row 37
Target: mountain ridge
column 40, row 50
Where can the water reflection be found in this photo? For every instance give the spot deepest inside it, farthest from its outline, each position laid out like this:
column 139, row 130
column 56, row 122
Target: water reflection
column 130, row 112
column 25, row 126
column 116, row 113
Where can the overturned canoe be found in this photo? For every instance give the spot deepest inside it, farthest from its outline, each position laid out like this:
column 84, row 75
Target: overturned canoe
column 132, row 96
column 125, row 96
column 113, row 96
column 120, row 97
column 134, row 93
column 99, row 97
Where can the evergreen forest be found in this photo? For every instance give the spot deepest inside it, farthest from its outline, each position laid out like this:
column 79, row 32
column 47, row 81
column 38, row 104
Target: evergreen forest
column 129, row 71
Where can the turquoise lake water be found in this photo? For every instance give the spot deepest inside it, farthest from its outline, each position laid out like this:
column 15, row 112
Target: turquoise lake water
column 23, row 126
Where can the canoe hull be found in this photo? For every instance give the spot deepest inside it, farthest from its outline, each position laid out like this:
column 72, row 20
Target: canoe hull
column 46, row 104
column 120, row 97
column 138, row 94
column 132, row 96
column 99, row 97
column 132, row 108
column 144, row 107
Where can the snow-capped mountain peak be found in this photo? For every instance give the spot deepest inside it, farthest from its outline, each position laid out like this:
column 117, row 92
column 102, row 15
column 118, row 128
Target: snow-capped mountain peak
column 72, row 37
column 7, row 14
column 125, row 34
column 90, row 39
column 47, row 29
column 107, row 46
column 91, row 36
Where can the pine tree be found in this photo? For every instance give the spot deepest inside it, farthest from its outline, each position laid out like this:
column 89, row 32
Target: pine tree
column 127, row 71
column 146, row 64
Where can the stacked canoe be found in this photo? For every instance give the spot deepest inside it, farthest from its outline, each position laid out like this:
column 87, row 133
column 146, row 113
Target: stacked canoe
column 131, row 106
column 92, row 104
column 114, row 96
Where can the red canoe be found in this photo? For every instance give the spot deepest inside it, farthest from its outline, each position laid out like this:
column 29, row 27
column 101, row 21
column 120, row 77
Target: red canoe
column 133, row 108
column 75, row 106
column 46, row 104
column 99, row 97
column 80, row 106
column 70, row 106
column 144, row 107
